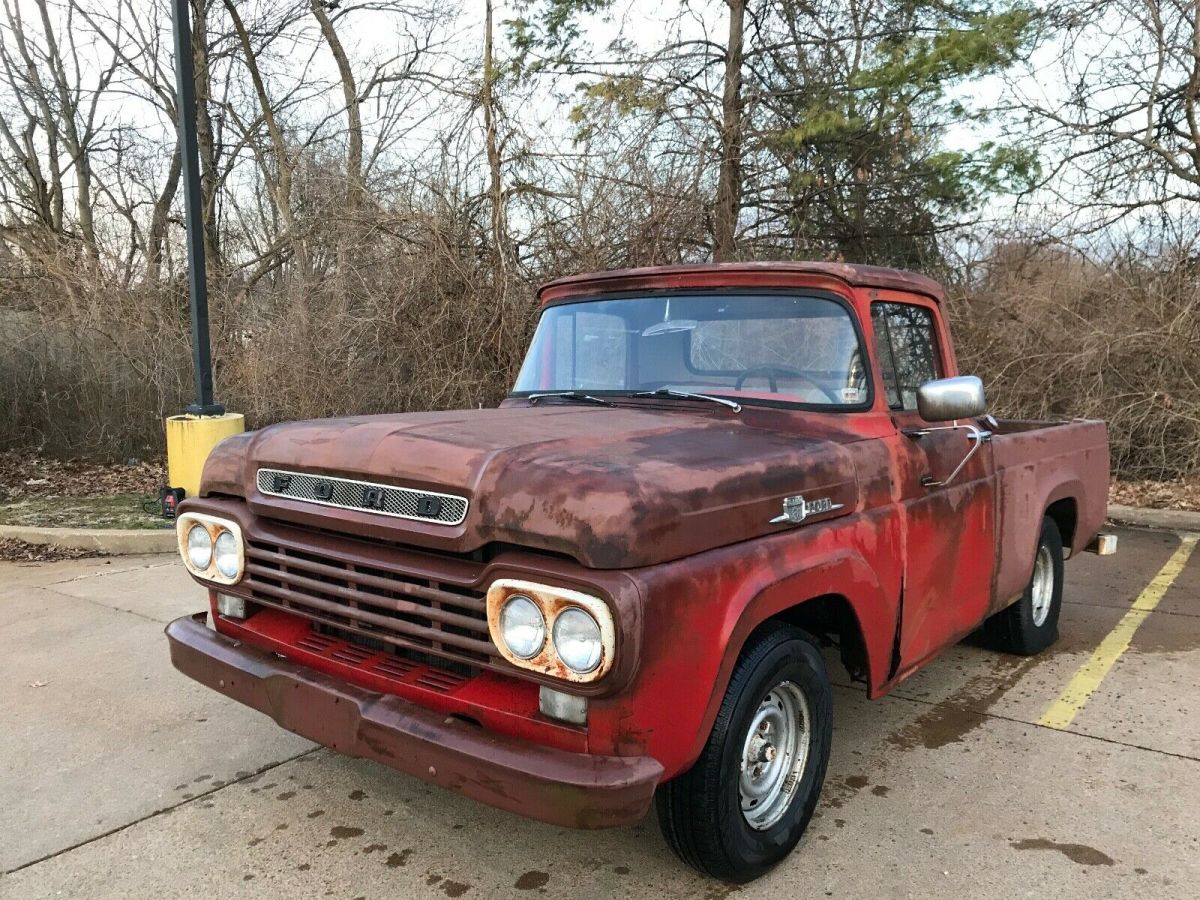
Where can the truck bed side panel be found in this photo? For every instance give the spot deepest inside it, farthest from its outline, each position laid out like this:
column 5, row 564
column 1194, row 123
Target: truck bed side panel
column 1037, row 464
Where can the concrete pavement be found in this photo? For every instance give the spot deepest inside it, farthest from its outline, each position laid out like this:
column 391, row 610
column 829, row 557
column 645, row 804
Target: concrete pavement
column 120, row 777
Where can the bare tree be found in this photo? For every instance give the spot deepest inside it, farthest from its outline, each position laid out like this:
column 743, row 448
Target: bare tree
column 729, row 183
column 354, row 127
column 487, row 100
column 1118, row 110
column 55, row 121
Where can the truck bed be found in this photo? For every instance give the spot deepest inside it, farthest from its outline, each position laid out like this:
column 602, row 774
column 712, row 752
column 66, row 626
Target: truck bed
column 1060, row 466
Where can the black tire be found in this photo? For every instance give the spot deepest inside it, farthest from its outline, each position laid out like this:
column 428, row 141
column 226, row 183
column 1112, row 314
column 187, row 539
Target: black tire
column 700, row 811
column 1017, row 629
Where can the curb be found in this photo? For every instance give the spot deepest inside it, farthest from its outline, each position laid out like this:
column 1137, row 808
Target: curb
column 112, row 541
column 1173, row 519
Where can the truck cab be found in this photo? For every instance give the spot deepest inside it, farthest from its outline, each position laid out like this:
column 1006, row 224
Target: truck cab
column 622, row 585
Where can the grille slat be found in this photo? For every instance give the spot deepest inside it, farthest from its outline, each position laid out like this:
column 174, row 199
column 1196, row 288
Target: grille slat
column 391, row 585
column 393, row 640
column 390, row 600
column 349, row 594
column 303, row 602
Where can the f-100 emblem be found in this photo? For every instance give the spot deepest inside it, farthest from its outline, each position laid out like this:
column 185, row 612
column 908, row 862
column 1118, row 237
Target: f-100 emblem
column 797, row 509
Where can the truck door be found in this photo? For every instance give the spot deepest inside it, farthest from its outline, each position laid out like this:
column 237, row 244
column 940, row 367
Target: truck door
column 949, row 530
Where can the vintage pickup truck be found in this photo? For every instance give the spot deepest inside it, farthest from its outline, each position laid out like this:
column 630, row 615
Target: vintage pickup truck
column 616, row 587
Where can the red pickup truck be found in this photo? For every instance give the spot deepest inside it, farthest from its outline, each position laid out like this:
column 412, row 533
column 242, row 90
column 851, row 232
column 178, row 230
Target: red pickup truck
column 615, row 588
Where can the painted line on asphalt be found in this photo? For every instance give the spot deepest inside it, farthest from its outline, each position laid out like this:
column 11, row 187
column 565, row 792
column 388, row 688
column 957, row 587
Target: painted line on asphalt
column 1062, row 712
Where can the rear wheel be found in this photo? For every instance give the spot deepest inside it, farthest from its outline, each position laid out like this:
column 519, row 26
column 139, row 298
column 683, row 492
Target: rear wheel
column 1030, row 625
column 747, row 800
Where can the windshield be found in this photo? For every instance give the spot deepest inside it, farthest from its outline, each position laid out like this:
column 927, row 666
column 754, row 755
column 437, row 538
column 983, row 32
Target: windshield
column 771, row 347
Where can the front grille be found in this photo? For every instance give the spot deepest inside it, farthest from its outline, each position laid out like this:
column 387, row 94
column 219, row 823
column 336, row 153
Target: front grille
column 346, row 493
column 351, row 650
column 365, row 647
column 365, row 594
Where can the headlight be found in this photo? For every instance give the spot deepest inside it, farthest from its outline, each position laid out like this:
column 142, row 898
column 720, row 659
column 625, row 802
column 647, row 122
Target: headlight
column 199, row 547
column 229, row 556
column 211, row 547
column 577, row 640
column 522, row 627
column 565, row 634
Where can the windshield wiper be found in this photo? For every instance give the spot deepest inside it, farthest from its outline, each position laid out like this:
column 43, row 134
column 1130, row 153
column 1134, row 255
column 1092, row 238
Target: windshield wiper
column 688, row 395
column 578, row 396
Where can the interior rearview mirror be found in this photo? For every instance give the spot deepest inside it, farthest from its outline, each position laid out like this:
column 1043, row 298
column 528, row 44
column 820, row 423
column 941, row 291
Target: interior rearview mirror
column 951, row 398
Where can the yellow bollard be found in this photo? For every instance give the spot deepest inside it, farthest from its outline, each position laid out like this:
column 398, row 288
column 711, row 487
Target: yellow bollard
column 189, row 441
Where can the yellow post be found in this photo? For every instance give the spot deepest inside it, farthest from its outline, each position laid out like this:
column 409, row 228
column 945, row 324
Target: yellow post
column 189, row 441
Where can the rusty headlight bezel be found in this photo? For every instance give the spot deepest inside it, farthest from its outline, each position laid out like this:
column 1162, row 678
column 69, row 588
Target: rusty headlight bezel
column 553, row 602
column 216, row 527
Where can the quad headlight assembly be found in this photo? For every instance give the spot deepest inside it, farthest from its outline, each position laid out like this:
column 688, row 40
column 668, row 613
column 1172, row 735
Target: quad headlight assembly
column 558, row 632
column 211, row 547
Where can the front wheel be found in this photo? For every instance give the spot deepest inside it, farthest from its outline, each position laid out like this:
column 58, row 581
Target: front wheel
column 747, row 800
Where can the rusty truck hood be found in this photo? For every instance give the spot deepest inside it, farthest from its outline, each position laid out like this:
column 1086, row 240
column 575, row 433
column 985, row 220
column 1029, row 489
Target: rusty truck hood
column 611, row 487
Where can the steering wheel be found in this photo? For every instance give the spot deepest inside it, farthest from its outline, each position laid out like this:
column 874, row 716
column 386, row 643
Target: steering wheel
column 771, row 371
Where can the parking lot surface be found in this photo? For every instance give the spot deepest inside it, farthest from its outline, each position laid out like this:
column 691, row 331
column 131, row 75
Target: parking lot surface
column 120, row 777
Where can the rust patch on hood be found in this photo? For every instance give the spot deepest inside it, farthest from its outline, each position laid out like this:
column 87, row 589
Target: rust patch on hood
column 611, row 487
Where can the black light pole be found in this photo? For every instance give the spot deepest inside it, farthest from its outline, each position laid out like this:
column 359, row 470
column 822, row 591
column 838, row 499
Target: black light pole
column 185, row 105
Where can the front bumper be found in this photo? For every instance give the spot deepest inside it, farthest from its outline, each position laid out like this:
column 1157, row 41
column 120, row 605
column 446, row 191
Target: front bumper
column 576, row 790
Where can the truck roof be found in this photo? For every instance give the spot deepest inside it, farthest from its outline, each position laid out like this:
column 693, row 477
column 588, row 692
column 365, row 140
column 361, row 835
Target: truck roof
column 736, row 274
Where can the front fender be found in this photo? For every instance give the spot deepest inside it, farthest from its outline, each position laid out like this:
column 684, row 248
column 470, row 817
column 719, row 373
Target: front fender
column 843, row 572
column 700, row 612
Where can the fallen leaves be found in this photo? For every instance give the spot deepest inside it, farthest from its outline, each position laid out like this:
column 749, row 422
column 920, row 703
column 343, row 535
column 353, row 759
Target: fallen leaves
column 72, row 493
column 1157, row 494
column 12, row 550
column 23, row 476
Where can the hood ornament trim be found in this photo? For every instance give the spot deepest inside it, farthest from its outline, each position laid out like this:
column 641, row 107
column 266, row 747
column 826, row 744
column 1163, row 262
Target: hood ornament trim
column 363, row 496
column 796, row 509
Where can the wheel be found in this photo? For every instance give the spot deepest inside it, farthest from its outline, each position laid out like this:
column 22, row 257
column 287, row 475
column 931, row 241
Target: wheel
column 1030, row 625
column 745, row 803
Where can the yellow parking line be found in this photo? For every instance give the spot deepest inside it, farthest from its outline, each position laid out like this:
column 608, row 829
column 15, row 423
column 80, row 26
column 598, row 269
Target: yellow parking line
column 1080, row 688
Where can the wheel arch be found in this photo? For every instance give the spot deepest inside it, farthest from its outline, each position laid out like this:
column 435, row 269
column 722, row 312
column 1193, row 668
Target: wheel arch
column 1065, row 513
column 1023, row 506
column 839, row 594
column 832, row 619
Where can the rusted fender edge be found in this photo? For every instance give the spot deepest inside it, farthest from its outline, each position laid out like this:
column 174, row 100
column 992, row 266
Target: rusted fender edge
column 575, row 790
column 843, row 572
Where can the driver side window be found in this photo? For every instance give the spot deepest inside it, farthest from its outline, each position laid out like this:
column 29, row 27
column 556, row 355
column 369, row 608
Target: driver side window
column 907, row 350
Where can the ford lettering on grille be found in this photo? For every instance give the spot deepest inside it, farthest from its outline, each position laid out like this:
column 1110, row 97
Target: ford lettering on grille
column 346, row 493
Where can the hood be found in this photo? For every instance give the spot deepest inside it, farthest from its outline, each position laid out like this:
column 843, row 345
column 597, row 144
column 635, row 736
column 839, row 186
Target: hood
column 612, row 487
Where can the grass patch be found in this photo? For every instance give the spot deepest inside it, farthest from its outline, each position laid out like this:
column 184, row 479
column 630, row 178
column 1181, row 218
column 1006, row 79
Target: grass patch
column 118, row 511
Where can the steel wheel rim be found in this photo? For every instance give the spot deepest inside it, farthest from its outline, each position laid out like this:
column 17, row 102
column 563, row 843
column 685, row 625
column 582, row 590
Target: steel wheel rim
column 774, row 756
column 1042, row 588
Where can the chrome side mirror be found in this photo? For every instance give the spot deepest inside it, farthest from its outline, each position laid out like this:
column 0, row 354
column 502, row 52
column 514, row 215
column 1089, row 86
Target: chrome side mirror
column 951, row 398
